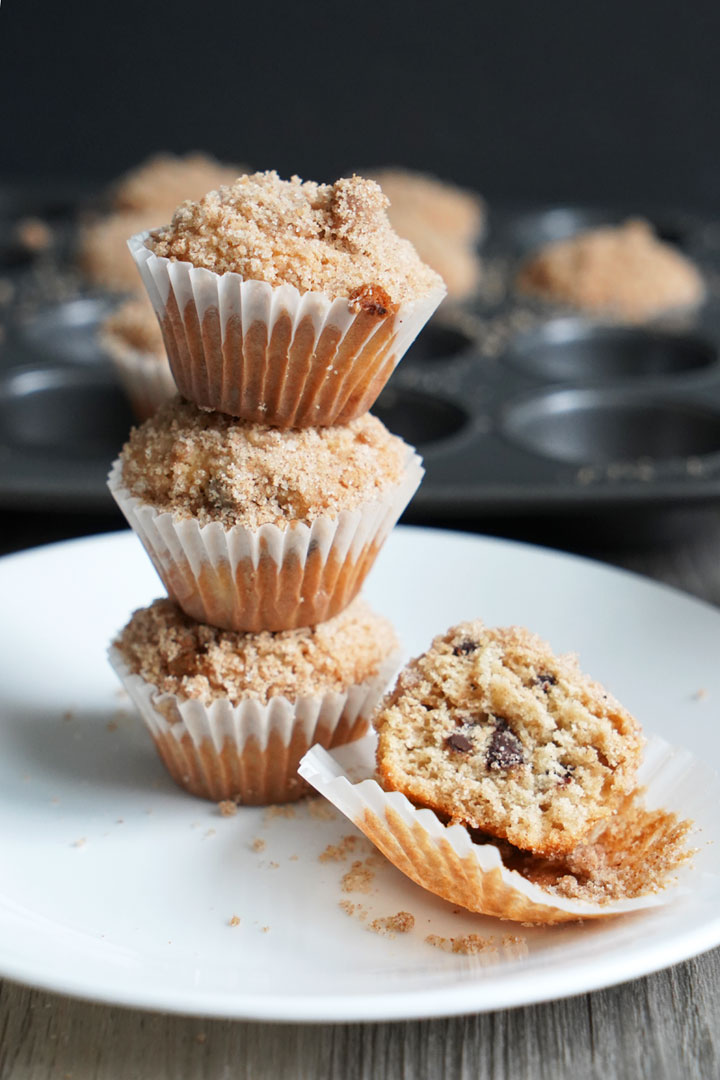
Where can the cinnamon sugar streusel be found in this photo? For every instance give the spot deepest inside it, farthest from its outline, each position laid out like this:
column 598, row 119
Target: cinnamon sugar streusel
column 214, row 468
column 183, row 657
column 329, row 238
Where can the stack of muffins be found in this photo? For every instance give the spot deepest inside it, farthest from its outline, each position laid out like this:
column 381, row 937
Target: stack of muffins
column 264, row 492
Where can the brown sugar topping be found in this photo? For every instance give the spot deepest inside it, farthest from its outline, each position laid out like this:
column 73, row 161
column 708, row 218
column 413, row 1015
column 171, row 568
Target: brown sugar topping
column 624, row 271
column 329, row 238
column 213, row 467
column 192, row 660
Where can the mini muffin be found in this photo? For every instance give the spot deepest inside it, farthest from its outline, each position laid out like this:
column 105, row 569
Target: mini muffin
column 102, row 250
column 622, row 271
column 283, row 302
column 492, row 731
column 133, row 339
column 445, row 223
column 254, row 528
column 232, row 714
column 163, row 180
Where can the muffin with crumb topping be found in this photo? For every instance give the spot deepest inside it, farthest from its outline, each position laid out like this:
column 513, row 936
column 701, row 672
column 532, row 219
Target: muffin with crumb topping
column 133, row 339
column 256, row 528
column 618, row 271
column 163, row 180
column 231, row 714
column 285, row 302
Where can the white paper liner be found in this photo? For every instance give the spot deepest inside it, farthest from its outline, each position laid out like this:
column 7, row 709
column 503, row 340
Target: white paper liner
column 145, row 377
column 674, row 780
column 292, row 379
column 208, row 743
column 199, row 565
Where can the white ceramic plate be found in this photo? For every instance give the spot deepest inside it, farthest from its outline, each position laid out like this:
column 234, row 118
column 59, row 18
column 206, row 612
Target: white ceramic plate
column 118, row 887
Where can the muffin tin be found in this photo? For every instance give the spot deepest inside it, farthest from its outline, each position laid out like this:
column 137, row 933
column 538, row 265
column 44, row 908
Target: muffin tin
column 518, row 408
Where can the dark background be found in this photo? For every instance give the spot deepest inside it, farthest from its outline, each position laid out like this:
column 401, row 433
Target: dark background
column 562, row 101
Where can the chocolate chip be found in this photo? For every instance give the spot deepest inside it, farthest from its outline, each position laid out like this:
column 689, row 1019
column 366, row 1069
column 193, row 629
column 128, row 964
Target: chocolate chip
column 567, row 774
column 505, row 749
column 458, row 742
column 464, row 648
column 545, row 680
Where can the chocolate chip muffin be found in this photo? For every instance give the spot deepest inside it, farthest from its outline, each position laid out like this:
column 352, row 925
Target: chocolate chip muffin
column 492, row 731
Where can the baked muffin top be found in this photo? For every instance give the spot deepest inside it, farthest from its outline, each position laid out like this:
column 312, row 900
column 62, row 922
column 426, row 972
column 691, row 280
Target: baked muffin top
column 212, row 467
column 183, row 657
column 492, row 730
column 420, row 202
column 134, row 325
column 622, row 270
column 163, row 180
column 329, row 238
column 102, row 250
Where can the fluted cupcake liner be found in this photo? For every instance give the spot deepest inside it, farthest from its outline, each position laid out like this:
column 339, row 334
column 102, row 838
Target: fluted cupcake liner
column 444, row 859
column 267, row 578
column 145, row 377
column 270, row 354
column 249, row 752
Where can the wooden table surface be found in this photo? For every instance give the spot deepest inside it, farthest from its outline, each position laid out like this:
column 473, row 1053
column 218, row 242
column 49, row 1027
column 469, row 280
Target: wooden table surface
column 663, row 1026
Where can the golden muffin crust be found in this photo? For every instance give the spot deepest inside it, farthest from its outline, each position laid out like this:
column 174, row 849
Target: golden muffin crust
column 212, row 467
column 329, row 238
column 164, row 180
column 183, row 657
column 623, row 270
column 494, row 732
column 134, row 325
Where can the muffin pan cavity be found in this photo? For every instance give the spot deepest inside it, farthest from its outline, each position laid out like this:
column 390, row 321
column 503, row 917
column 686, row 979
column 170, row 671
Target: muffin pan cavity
column 526, row 231
column 571, row 349
column 602, row 427
column 438, row 341
column 419, row 418
column 68, row 331
column 68, row 412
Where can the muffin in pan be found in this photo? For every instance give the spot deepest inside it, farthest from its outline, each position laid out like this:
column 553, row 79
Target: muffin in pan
column 286, row 303
column 132, row 338
column 445, row 224
column 254, row 528
column 492, row 731
column 617, row 271
column 163, row 180
column 231, row 714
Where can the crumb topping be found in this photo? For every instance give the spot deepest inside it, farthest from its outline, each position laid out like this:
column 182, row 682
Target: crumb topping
column 635, row 852
column 134, row 326
column 164, row 180
column 192, row 660
column 330, row 238
column 402, row 922
column 213, row 467
column 622, row 270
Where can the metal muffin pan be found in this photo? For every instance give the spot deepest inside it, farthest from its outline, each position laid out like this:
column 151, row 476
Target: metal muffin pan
column 561, row 415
